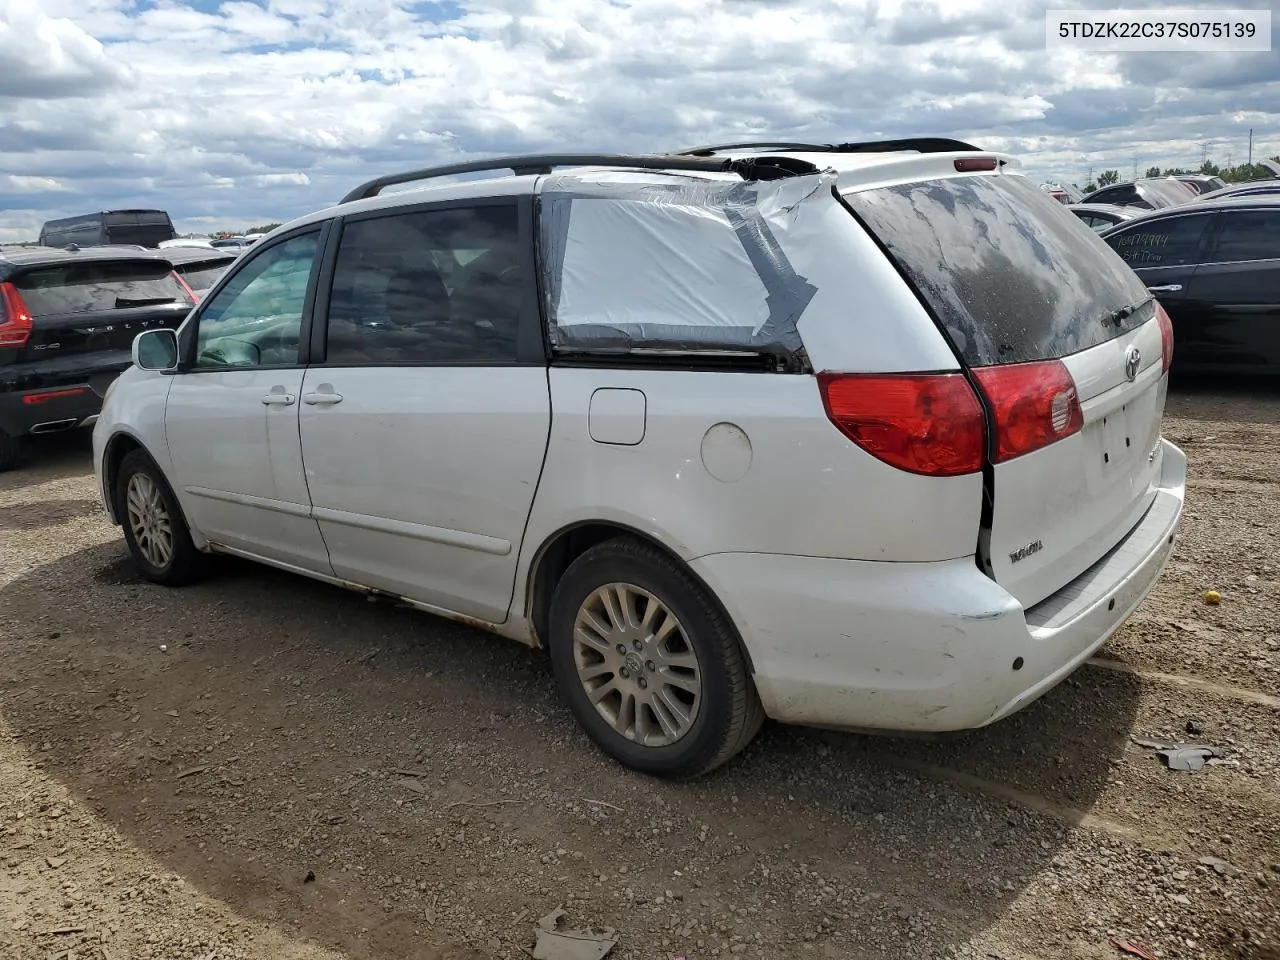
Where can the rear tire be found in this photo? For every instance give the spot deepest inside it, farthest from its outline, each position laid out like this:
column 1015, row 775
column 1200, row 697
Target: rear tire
column 11, row 451
column 154, row 528
column 650, row 666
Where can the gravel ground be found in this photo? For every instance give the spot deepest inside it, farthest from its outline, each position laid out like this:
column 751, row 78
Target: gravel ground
column 305, row 774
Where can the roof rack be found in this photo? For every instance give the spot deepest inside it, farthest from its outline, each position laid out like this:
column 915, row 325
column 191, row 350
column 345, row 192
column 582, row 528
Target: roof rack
column 919, row 144
column 756, row 168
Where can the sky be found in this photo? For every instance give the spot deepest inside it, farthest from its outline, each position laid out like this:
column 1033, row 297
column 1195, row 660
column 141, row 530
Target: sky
column 232, row 113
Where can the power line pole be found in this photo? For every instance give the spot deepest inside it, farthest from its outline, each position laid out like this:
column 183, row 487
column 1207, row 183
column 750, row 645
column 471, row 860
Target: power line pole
column 1251, row 146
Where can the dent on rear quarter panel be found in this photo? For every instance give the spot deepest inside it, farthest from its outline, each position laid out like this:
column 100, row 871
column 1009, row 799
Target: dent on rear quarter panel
column 807, row 491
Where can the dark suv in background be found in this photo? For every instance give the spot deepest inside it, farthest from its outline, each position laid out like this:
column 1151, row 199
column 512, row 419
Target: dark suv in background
column 146, row 228
column 67, row 323
column 1214, row 265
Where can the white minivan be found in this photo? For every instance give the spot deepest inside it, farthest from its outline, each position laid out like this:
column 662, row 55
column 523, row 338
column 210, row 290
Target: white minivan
column 858, row 435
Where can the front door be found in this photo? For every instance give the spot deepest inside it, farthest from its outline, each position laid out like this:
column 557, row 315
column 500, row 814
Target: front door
column 232, row 414
column 425, row 418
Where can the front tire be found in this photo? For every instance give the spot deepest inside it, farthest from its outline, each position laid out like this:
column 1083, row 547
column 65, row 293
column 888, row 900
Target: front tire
column 154, row 528
column 650, row 666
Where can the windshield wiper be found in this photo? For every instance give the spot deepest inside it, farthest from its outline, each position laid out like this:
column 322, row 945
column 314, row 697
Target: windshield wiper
column 1118, row 317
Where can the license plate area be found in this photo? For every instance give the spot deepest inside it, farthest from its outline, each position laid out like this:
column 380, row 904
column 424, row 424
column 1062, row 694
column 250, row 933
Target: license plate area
column 1120, row 443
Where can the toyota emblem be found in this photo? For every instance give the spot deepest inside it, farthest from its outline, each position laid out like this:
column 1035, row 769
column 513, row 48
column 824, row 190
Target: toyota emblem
column 1132, row 359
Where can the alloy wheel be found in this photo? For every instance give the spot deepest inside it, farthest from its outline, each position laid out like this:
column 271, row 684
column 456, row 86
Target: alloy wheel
column 636, row 664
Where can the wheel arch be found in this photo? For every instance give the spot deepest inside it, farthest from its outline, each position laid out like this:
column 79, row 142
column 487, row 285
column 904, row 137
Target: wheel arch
column 121, row 444
column 565, row 545
column 117, row 448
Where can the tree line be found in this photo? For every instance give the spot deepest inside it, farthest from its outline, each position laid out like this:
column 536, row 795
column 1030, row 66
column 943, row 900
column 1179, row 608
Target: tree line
column 1240, row 173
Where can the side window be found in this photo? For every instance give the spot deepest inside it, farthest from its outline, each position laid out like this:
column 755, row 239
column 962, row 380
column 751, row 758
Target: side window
column 1247, row 235
column 1169, row 242
column 256, row 319
column 436, row 286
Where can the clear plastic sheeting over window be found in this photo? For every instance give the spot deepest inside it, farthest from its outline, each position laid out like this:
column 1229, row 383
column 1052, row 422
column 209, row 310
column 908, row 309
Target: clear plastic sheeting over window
column 658, row 262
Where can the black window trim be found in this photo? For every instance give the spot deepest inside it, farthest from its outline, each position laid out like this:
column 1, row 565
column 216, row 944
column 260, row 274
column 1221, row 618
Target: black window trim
column 1220, row 224
column 1138, row 223
column 530, row 338
column 191, row 326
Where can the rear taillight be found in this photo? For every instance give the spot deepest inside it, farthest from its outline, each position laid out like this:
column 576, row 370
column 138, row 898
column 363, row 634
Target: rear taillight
column 930, row 424
column 1033, row 405
column 15, row 318
column 186, row 288
column 1166, row 338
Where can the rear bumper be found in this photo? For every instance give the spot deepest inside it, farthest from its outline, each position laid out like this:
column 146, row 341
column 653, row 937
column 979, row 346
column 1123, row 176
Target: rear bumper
column 48, row 396
column 49, row 409
column 929, row 647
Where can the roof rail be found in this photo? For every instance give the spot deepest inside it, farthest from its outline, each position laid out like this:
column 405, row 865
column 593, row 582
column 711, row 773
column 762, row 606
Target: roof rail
column 919, row 144
column 766, row 168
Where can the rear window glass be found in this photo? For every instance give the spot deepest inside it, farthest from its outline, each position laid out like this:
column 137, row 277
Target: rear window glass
column 201, row 277
column 93, row 286
column 1009, row 273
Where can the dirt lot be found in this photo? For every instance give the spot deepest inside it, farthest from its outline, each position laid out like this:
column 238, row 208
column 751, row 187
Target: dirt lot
column 173, row 804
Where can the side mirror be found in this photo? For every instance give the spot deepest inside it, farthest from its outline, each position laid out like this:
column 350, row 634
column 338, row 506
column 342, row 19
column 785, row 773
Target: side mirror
column 156, row 350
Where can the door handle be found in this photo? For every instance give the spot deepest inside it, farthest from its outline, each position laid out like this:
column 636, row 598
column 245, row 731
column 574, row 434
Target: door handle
column 284, row 399
column 1167, row 288
column 323, row 399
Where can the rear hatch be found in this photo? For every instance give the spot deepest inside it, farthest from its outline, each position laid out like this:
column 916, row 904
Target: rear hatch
column 95, row 306
column 1066, row 349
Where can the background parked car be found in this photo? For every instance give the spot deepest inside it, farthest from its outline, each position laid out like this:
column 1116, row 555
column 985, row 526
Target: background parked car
column 1256, row 188
column 147, row 228
column 1200, row 183
column 199, row 267
column 1215, row 267
column 1149, row 194
column 67, row 323
column 231, row 243
column 186, row 242
column 1103, row 216
column 1063, row 193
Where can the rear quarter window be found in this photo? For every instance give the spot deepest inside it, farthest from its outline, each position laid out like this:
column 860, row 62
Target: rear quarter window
column 92, row 286
column 1007, row 271
column 1246, row 235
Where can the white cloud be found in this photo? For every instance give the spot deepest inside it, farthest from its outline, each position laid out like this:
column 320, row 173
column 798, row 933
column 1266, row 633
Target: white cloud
column 251, row 112
column 42, row 57
column 31, row 185
column 273, row 179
